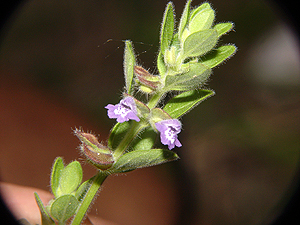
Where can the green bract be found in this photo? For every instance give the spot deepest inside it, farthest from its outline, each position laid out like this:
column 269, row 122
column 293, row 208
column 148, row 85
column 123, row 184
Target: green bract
column 129, row 63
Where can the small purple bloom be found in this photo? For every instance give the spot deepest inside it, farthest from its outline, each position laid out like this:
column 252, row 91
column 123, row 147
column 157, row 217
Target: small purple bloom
column 124, row 111
column 168, row 132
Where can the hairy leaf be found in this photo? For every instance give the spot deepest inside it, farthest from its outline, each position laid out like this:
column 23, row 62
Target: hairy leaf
column 223, row 28
column 71, row 178
column 161, row 64
column 129, row 63
column 64, row 207
column 199, row 43
column 199, row 9
column 56, row 172
column 184, row 18
column 145, row 140
column 167, row 28
column 45, row 217
column 218, row 56
column 117, row 134
column 202, row 20
column 196, row 76
column 184, row 102
column 143, row 158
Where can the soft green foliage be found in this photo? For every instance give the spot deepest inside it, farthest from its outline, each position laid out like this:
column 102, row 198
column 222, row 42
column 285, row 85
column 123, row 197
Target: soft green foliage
column 145, row 140
column 184, row 102
column 81, row 191
column 117, row 133
column 197, row 75
column 157, row 114
column 196, row 38
column 202, row 18
column 184, row 18
column 167, row 28
column 143, row 158
column 57, row 169
column 185, row 60
column 65, row 181
column 199, row 43
column 129, row 63
column 64, row 207
column 70, row 178
column 162, row 69
column 45, row 217
column 218, row 56
column 223, row 28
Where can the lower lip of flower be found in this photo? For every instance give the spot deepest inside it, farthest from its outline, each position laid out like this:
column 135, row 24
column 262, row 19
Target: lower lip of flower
column 170, row 134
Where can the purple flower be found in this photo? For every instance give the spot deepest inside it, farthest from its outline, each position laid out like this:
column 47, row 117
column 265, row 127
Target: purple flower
column 168, row 132
column 124, row 111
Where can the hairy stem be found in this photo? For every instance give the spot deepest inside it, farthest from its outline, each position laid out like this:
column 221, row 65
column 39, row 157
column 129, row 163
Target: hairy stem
column 154, row 100
column 96, row 183
column 135, row 129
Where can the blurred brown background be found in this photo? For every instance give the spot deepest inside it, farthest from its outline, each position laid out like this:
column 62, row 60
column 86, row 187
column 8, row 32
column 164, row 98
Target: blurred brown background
column 61, row 63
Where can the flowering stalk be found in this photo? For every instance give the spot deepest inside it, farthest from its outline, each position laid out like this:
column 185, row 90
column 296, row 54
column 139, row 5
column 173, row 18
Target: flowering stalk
column 185, row 61
column 94, row 186
column 134, row 130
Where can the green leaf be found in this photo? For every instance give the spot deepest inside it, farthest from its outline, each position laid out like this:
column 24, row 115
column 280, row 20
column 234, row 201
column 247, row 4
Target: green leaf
column 117, row 134
column 56, row 172
column 129, row 63
column 143, row 158
column 195, row 77
column 161, row 64
column 145, row 140
column 64, row 207
column 45, row 217
column 199, row 9
column 223, row 28
column 202, row 20
column 199, row 43
column 184, row 18
column 167, row 28
column 218, row 56
column 82, row 190
column 71, row 178
column 184, row 102
column 157, row 114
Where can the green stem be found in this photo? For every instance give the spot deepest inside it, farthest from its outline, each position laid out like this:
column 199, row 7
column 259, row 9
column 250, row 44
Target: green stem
column 154, row 100
column 96, row 183
column 135, row 129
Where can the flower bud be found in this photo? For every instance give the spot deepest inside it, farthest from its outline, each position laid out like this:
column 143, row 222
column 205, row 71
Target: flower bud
column 148, row 81
column 170, row 57
column 98, row 155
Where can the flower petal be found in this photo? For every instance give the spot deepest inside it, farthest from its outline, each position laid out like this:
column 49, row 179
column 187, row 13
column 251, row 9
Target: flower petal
column 169, row 129
column 124, row 111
